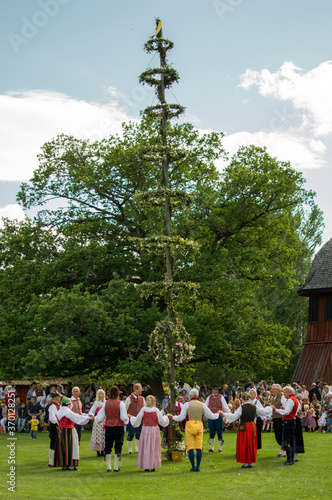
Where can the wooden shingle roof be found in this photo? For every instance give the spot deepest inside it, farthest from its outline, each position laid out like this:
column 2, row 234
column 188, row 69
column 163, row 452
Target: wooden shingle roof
column 320, row 275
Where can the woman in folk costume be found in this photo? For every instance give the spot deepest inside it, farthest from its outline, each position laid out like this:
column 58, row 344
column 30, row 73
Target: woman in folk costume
column 97, row 442
column 246, row 445
column 66, row 445
column 254, row 400
column 149, row 454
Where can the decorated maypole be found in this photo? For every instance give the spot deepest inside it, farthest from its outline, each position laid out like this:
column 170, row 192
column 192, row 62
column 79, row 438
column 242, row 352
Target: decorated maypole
column 169, row 343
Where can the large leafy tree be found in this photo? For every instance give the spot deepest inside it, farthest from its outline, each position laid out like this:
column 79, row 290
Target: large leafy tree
column 81, row 289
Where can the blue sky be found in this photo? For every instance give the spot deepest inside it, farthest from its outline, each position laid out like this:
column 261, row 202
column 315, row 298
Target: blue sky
column 260, row 71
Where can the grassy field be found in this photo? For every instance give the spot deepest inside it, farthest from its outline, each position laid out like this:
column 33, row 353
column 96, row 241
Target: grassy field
column 220, row 476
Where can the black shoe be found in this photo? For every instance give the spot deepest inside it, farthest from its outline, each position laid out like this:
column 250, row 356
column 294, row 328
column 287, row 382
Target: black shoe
column 192, row 470
column 117, row 470
column 197, row 470
column 288, row 463
column 50, row 465
column 109, row 470
column 246, row 466
column 65, row 468
column 153, row 470
column 211, row 451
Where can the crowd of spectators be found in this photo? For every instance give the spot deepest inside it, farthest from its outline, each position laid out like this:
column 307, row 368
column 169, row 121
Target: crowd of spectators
column 316, row 403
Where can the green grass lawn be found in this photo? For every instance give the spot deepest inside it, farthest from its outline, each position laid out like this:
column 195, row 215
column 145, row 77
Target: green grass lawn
column 220, row 476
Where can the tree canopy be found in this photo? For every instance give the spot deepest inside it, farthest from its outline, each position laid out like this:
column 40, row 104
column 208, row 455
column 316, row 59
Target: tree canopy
column 84, row 284
column 69, row 279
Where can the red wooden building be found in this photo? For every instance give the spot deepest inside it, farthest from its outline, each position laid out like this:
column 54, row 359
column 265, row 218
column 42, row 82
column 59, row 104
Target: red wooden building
column 316, row 358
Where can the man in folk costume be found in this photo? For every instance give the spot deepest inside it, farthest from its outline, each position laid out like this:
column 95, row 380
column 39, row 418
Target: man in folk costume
column 76, row 407
column 288, row 413
column 278, row 422
column 67, row 445
column 194, row 427
column 115, row 415
column 53, row 423
column 134, row 403
column 216, row 402
column 246, row 445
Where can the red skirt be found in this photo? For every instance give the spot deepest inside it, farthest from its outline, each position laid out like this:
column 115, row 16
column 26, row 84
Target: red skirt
column 246, row 445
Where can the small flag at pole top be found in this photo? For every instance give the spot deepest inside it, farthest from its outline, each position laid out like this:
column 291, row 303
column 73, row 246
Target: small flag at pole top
column 156, row 32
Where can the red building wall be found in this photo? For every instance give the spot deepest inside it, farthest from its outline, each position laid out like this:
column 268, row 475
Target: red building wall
column 320, row 331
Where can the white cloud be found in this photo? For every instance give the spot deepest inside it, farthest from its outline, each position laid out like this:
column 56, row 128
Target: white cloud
column 12, row 212
column 30, row 118
column 303, row 153
column 308, row 91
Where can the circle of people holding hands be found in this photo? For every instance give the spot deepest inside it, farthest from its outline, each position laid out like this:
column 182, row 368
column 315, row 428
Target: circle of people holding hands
column 249, row 410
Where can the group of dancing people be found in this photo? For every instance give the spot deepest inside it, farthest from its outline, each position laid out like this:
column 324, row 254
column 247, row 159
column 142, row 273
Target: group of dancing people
column 140, row 416
column 143, row 420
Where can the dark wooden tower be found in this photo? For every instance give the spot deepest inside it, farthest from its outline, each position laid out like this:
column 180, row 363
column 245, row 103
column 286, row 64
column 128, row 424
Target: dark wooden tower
column 316, row 358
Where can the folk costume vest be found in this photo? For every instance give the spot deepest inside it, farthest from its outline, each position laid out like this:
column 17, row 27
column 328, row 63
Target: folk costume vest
column 248, row 413
column 136, row 403
column 112, row 413
column 276, row 401
column 215, row 403
column 150, row 419
column 76, row 406
column 65, row 422
column 195, row 410
column 292, row 414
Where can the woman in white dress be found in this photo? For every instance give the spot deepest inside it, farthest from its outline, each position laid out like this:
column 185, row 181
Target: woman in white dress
column 97, row 442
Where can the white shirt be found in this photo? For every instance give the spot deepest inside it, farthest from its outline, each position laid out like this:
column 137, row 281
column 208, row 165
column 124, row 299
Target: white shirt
column 52, row 411
column 288, row 405
column 225, row 406
column 95, row 406
column 259, row 405
column 123, row 414
column 207, row 412
column 74, row 417
column 162, row 419
column 264, row 412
